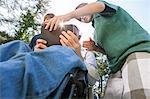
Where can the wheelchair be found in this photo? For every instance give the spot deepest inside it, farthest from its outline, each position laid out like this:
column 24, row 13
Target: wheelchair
column 73, row 86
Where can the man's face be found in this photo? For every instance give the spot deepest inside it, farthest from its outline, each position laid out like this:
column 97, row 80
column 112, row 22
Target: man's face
column 46, row 18
column 85, row 19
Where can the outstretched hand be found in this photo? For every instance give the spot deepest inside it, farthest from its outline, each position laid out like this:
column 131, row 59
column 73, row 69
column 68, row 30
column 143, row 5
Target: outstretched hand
column 55, row 22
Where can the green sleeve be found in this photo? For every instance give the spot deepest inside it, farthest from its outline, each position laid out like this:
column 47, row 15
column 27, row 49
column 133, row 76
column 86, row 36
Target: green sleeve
column 109, row 10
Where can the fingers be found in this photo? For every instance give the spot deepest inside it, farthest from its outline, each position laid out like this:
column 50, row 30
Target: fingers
column 89, row 45
column 74, row 37
column 40, row 45
column 65, row 41
column 90, row 39
column 86, row 44
column 56, row 24
column 53, row 23
column 50, row 24
column 63, row 44
column 69, row 39
column 41, row 41
column 46, row 22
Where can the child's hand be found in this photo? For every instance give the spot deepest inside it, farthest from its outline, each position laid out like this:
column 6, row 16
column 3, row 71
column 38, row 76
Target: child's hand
column 40, row 45
column 89, row 45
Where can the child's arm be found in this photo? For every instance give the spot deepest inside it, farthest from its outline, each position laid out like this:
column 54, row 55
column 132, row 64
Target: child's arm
column 88, row 9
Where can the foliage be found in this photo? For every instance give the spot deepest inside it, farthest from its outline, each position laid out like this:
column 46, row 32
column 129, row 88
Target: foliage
column 103, row 71
column 4, row 38
column 102, row 63
column 22, row 18
column 27, row 27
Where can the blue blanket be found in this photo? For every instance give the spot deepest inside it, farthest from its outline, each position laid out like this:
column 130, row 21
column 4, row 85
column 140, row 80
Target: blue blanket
column 28, row 74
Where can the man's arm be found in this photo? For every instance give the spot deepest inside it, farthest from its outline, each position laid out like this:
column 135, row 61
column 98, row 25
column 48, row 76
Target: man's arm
column 88, row 9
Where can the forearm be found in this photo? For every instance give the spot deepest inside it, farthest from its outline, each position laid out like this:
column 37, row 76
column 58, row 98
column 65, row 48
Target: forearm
column 78, row 52
column 81, row 57
column 89, row 9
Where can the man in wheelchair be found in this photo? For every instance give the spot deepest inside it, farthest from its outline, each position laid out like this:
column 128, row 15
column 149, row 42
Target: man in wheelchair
column 48, row 73
column 70, row 39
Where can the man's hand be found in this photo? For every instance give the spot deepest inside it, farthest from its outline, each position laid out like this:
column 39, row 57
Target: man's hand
column 71, row 40
column 54, row 22
column 40, row 45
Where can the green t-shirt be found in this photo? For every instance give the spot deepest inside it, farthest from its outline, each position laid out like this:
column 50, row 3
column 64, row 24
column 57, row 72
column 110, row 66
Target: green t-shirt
column 119, row 34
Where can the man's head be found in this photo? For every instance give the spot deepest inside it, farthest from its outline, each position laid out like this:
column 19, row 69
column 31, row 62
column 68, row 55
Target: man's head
column 76, row 31
column 85, row 19
column 52, row 37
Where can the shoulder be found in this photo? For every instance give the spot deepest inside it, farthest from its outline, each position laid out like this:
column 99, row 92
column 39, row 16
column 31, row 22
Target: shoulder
column 110, row 9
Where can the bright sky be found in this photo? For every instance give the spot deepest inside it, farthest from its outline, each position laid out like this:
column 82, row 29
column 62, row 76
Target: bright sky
column 138, row 9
